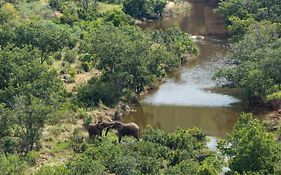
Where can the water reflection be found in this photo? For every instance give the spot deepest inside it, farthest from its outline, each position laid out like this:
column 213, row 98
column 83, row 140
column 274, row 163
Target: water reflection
column 189, row 98
column 215, row 121
column 201, row 20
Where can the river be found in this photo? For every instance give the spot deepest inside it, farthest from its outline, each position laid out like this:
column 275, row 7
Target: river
column 190, row 97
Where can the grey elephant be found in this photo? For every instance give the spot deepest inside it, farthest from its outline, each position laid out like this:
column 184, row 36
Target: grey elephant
column 125, row 129
column 97, row 128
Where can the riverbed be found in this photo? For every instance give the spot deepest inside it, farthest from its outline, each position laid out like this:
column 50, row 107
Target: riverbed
column 190, row 96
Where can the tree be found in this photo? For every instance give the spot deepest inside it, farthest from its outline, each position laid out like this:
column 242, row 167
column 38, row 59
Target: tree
column 22, row 75
column 47, row 37
column 130, row 59
column 29, row 115
column 250, row 148
column 149, row 9
column 175, row 40
column 254, row 62
column 240, row 14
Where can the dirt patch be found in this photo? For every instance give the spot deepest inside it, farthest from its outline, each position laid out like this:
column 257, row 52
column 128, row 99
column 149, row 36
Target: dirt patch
column 80, row 79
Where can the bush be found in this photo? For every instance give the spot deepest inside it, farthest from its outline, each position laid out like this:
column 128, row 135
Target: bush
column 81, row 165
column 98, row 90
column 118, row 18
column 125, row 165
column 12, row 164
column 150, row 9
column 53, row 170
column 155, row 136
column 70, row 56
column 77, row 142
column 32, row 157
column 183, row 168
column 252, row 148
column 86, row 66
column 149, row 165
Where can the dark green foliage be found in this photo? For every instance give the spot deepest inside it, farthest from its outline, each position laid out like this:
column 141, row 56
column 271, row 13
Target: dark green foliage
column 81, row 165
column 98, row 90
column 255, row 62
column 260, row 10
column 47, row 37
column 29, row 90
column 180, row 139
column 129, row 60
column 239, row 14
column 22, row 75
column 53, row 170
column 118, row 18
column 143, row 157
column 252, row 149
column 27, row 118
column 183, row 168
column 149, row 9
column 175, row 40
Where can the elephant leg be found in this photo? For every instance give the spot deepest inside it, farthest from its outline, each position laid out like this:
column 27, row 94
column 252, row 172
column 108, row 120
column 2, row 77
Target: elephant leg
column 119, row 138
column 100, row 133
column 107, row 129
column 137, row 137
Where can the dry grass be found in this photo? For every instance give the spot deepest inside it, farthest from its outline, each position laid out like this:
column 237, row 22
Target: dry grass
column 56, row 139
column 80, row 79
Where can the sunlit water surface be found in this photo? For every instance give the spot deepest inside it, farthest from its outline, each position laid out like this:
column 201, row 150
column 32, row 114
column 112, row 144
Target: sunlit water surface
column 190, row 98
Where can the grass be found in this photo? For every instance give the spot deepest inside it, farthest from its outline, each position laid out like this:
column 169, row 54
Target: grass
column 60, row 146
column 274, row 96
column 105, row 7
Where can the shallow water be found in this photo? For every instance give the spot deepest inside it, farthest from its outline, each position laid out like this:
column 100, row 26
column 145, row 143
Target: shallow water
column 190, row 98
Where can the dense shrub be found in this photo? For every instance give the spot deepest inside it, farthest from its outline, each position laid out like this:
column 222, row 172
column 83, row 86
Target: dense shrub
column 12, row 164
column 250, row 148
column 98, row 90
column 143, row 157
column 129, row 60
column 150, row 9
column 254, row 62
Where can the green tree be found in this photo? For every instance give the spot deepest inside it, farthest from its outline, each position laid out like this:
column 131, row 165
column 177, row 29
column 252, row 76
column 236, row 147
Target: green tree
column 29, row 115
column 130, row 59
column 240, row 14
column 47, row 37
column 175, row 40
column 254, row 62
column 22, row 75
column 150, row 9
column 250, row 148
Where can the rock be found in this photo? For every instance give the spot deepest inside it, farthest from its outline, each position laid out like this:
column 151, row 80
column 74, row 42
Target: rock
column 197, row 37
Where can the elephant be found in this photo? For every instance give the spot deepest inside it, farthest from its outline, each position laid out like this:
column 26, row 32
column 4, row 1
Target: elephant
column 125, row 129
column 97, row 128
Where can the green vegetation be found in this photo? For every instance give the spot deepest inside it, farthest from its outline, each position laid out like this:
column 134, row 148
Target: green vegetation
column 239, row 14
column 177, row 152
column 45, row 46
column 134, row 60
column 255, row 55
column 145, row 9
column 252, row 149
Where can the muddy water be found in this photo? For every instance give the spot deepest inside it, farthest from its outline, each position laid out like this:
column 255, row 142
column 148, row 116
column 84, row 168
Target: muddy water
column 190, row 97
